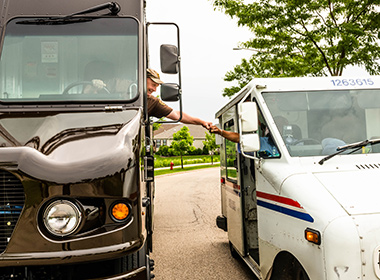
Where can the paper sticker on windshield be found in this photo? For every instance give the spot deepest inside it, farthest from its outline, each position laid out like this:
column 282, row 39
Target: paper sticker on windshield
column 49, row 52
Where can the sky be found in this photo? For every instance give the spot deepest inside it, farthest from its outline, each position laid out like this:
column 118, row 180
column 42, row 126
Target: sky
column 207, row 39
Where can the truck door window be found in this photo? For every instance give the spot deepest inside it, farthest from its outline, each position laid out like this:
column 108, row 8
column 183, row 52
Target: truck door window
column 268, row 147
column 89, row 59
column 231, row 159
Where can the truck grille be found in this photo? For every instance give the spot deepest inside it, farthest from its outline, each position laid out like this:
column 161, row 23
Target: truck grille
column 11, row 203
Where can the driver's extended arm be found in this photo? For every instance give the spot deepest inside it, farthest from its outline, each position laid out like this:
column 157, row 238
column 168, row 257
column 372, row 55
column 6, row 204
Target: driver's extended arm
column 174, row 115
column 230, row 135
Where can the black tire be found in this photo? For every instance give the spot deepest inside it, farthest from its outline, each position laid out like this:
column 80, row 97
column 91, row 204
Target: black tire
column 289, row 269
column 299, row 272
column 233, row 251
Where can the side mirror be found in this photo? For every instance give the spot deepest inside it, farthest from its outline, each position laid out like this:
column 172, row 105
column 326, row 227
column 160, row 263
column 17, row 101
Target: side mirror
column 170, row 92
column 250, row 143
column 169, row 59
column 248, row 117
column 249, row 138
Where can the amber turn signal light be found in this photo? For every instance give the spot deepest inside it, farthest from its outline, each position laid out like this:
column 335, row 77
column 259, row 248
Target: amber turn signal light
column 120, row 211
column 313, row 236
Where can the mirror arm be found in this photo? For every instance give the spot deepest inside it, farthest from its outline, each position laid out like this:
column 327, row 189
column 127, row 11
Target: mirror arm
column 180, row 111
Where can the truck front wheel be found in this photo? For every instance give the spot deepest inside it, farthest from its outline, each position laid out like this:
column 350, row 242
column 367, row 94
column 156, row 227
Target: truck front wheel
column 287, row 267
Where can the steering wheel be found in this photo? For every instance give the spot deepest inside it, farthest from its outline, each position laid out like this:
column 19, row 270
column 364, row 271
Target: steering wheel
column 306, row 141
column 75, row 84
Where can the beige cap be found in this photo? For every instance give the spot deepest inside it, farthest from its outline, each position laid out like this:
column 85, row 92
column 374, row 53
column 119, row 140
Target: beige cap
column 154, row 76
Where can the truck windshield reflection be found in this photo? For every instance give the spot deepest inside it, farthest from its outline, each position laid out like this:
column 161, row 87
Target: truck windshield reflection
column 44, row 62
column 318, row 123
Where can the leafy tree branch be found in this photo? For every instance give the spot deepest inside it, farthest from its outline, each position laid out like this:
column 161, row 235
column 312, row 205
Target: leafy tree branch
column 304, row 37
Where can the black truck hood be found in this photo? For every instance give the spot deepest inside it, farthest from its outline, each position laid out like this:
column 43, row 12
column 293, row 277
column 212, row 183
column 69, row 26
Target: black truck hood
column 69, row 148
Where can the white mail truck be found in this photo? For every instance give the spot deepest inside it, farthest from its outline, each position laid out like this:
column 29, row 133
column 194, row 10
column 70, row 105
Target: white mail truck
column 301, row 190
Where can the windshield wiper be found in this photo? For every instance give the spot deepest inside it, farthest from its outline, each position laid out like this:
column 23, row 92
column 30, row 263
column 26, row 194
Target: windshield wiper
column 356, row 146
column 113, row 7
column 53, row 21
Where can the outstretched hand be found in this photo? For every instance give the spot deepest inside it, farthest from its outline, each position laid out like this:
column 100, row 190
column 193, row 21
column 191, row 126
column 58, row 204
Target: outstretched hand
column 214, row 129
column 207, row 125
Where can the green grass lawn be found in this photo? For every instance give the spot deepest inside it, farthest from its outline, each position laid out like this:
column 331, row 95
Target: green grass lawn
column 188, row 168
column 165, row 161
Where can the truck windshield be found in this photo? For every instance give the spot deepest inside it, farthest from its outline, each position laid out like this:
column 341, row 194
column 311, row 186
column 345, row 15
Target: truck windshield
column 315, row 123
column 82, row 59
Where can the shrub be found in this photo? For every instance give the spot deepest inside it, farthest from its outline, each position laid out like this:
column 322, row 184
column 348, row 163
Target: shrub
column 163, row 151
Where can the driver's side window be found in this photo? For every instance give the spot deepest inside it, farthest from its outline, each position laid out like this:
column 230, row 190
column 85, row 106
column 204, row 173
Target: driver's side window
column 231, row 158
column 268, row 148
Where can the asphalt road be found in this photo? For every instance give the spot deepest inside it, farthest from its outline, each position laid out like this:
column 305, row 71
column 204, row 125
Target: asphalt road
column 186, row 242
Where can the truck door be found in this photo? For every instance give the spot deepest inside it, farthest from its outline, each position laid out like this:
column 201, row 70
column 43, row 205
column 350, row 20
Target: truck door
column 251, row 182
column 249, row 203
column 233, row 197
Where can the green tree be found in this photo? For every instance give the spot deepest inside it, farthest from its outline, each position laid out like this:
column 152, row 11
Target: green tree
column 210, row 144
column 157, row 125
column 182, row 141
column 305, row 37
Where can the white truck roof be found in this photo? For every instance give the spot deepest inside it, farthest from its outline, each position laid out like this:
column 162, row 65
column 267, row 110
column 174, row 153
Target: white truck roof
column 304, row 84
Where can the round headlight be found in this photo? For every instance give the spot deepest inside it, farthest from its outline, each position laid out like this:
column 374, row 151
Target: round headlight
column 62, row 217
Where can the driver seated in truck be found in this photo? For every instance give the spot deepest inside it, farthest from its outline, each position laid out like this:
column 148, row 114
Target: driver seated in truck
column 330, row 145
column 158, row 109
column 97, row 75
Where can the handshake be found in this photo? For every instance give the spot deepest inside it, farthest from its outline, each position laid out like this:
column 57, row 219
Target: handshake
column 211, row 127
column 214, row 129
column 229, row 135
